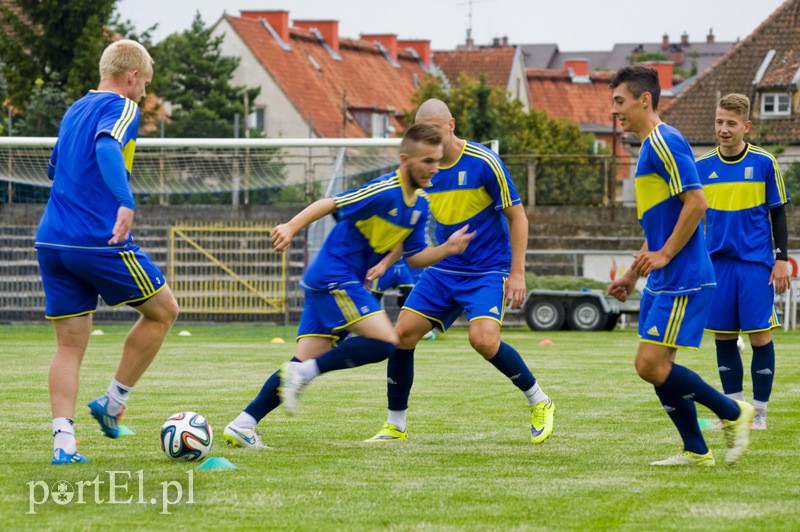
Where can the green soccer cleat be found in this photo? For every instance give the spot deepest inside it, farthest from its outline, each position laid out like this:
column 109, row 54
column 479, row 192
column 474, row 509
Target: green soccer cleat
column 292, row 385
column 737, row 432
column 542, row 420
column 687, row 458
column 241, row 437
column 388, row 433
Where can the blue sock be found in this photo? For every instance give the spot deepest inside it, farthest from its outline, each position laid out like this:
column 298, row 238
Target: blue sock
column 267, row 399
column 729, row 364
column 762, row 370
column 687, row 384
column 683, row 414
column 399, row 378
column 353, row 352
column 510, row 364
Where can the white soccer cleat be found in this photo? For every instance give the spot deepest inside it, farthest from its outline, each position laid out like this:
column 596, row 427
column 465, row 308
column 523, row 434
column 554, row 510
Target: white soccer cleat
column 241, row 437
column 292, row 385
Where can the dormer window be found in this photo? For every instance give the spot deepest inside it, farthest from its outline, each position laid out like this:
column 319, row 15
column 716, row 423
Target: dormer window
column 775, row 105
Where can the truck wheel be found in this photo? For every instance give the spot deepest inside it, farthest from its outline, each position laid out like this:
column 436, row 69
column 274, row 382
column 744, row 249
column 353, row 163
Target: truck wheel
column 544, row 314
column 586, row 314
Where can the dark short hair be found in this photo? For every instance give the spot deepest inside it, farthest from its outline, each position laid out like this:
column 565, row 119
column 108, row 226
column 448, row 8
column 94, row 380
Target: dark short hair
column 640, row 79
column 420, row 133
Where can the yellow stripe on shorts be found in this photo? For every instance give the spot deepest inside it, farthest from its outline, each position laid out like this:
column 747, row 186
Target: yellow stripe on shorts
column 675, row 319
column 346, row 305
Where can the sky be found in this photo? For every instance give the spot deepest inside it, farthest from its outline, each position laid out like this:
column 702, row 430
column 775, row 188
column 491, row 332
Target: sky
column 574, row 25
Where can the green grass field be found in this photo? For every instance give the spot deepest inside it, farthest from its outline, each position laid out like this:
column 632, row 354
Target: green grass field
column 468, row 464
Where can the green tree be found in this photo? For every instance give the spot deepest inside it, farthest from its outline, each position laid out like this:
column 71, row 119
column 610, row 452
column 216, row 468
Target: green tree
column 53, row 41
column 43, row 112
column 193, row 76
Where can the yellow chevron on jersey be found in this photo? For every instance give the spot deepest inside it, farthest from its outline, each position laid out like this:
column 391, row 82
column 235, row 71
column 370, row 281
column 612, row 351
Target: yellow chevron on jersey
column 735, row 196
column 452, row 207
column 497, row 169
column 383, row 236
column 127, row 154
column 651, row 190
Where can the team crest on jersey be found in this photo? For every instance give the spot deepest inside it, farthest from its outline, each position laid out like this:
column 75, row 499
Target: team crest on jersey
column 415, row 216
column 393, row 212
column 462, row 178
column 748, row 172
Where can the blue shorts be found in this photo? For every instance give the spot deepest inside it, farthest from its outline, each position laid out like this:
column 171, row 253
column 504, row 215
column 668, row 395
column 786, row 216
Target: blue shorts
column 441, row 297
column 674, row 321
column 328, row 314
column 744, row 300
column 395, row 277
column 73, row 279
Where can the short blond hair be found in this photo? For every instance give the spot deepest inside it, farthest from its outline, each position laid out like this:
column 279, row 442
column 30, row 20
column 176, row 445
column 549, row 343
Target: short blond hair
column 124, row 55
column 736, row 103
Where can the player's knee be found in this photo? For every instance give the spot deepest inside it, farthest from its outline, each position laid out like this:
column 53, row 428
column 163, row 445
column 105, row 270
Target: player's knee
column 650, row 372
column 485, row 344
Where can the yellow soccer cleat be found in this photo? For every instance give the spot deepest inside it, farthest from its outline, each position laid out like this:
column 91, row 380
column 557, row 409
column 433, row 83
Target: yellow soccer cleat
column 388, row 433
column 687, row 458
column 737, row 432
column 542, row 420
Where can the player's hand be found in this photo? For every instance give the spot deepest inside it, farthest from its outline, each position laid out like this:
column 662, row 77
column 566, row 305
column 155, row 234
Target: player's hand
column 515, row 290
column 780, row 277
column 647, row 261
column 621, row 288
column 459, row 241
column 376, row 271
column 281, row 237
column 122, row 227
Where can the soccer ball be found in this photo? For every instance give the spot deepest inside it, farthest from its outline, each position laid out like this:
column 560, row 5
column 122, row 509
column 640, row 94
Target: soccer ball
column 740, row 345
column 186, row 436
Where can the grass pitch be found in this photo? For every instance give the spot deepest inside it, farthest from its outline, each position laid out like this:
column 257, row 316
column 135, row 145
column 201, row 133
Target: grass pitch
column 468, row 464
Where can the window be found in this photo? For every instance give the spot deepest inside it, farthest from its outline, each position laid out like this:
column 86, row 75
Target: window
column 257, row 119
column 775, row 104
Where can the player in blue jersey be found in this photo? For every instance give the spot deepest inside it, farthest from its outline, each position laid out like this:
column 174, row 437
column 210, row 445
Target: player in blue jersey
column 372, row 221
column 85, row 248
column 399, row 276
column 472, row 188
column 675, row 304
column 746, row 214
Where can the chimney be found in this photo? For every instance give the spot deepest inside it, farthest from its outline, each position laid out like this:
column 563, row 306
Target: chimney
column 504, row 41
column 388, row 40
column 279, row 20
column 579, row 67
column 664, row 69
column 496, row 42
column 710, row 36
column 423, row 49
column 665, row 42
column 684, row 39
column 329, row 29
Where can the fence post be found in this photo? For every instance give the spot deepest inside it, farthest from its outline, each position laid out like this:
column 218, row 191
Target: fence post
column 531, row 184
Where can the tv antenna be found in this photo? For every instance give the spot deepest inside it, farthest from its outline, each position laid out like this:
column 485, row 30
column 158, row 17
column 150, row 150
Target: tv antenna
column 469, row 15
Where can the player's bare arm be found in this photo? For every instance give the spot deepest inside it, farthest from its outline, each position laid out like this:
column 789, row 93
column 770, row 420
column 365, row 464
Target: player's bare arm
column 282, row 235
column 518, row 232
column 694, row 206
column 456, row 244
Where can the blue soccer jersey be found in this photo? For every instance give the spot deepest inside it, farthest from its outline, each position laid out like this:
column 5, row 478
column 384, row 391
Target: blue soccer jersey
column 740, row 194
column 371, row 221
column 666, row 169
column 474, row 190
column 82, row 210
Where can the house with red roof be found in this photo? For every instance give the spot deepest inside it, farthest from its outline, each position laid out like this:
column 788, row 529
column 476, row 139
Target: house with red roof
column 765, row 66
column 315, row 83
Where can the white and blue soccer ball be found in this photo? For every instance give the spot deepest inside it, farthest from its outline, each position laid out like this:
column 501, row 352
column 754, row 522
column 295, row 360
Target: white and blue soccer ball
column 186, row 436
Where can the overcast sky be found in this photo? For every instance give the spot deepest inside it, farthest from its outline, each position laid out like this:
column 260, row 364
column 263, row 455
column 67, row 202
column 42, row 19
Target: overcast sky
column 574, row 25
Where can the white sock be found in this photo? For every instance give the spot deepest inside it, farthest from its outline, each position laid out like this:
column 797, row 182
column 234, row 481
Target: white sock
column 535, row 395
column 117, row 394
column 245, row 421
column 760, row 405
column 64, row 435
column 738, row 396
column 398, row 419
column 308, row 369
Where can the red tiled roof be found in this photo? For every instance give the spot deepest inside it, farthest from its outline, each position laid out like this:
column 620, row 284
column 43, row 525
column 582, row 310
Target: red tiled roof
column 364, row 73
column 494, row 63
column 694, row 110
column 584, row 103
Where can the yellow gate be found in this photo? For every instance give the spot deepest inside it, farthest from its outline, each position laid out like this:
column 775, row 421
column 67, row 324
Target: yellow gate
column 215, row 270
